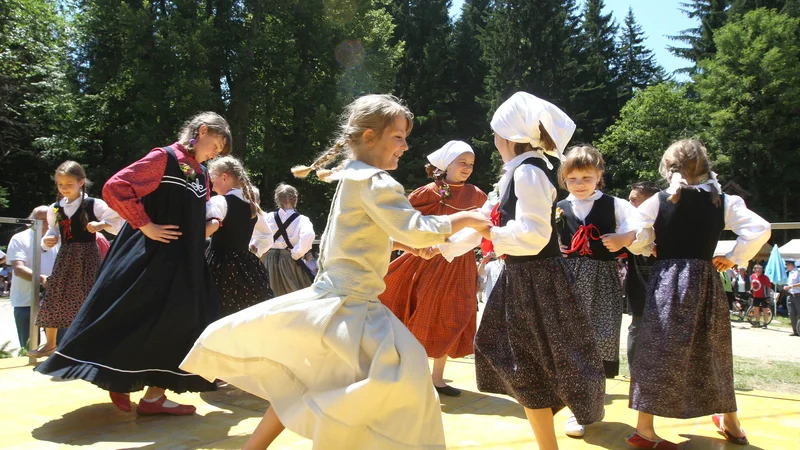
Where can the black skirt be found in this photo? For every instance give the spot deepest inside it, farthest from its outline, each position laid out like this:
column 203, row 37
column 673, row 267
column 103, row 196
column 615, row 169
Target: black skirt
column 535, row 342
column 150, row 302
column 242, row 281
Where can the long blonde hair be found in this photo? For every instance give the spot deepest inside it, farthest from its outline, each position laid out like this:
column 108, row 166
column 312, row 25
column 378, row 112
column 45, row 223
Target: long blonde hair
column 234, row 168
column 370, row 112
column 689, row 158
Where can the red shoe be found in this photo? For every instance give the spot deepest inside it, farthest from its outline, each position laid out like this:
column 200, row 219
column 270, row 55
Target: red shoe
column 717, row 419
column 636, row 440
column 146, row 408
column 121, row 401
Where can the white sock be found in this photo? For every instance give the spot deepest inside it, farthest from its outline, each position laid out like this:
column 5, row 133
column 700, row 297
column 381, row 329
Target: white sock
column 167, row 403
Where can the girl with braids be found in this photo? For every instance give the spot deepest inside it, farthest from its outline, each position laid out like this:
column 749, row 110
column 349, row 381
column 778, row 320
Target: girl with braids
column 240, row 277
column 154, row 294
column 293, row 237
column 684, row 365
column 335, row 364
column 74, row 220
column 433, row 290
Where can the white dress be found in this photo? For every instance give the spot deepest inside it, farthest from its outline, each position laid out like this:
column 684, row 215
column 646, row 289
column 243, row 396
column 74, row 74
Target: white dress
column 337, row 366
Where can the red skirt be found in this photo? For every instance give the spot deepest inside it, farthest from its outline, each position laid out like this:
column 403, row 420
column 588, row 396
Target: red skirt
column 436, row 300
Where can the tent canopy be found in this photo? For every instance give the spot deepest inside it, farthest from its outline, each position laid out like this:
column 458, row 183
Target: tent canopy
column 791, row 250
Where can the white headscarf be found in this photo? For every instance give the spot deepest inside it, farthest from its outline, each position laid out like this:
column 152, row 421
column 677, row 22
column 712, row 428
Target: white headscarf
column 448, row 153
column 518, row 119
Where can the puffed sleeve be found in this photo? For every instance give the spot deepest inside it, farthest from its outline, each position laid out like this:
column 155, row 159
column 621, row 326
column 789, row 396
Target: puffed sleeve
column 530, row 231
column 104, row 213
column 52, row 226
column 752, row 230
column 464, row 241
column 642, row 223
column 306, row 241
column 123, row 191
column 217, row 208
column 263, row 234
column 385, row 203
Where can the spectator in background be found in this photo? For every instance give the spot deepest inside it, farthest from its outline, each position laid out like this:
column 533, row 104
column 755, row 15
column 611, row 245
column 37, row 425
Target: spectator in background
column 793, row 301
column 741, row 284
column 20, row 254
column 761, row 287
column 488, row 272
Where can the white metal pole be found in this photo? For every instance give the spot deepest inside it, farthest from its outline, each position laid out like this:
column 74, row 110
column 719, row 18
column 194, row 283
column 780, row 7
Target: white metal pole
column 36, row 269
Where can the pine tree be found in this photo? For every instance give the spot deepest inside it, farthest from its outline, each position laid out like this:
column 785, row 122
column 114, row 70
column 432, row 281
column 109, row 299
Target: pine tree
column 424, row 80
column 598, row 72
column 712, row 14
column 637, row 64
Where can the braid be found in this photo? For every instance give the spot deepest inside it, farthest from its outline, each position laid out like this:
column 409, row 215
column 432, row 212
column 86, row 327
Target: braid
column 676, row 197
column 244, row 181
column 322, row 161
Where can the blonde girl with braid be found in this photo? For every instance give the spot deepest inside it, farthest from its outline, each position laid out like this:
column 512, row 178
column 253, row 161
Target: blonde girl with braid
column 74, row 220
column 335, row 364
column 234, row 218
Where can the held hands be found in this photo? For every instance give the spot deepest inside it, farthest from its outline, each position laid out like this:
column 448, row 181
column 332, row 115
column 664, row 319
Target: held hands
column 50, row 241
column 43, row 281
column 94, row 227
column 615, row 242
column 161, row 233
column 722, row 263
column 564, row 250
column 428, row 253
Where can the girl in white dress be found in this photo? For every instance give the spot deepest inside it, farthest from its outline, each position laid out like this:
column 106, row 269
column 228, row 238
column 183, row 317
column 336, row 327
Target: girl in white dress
column 336, row 365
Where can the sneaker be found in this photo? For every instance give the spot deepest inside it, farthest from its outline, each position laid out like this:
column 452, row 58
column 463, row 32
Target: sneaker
column 573, row 428
column 764, row 326
column 756, row 325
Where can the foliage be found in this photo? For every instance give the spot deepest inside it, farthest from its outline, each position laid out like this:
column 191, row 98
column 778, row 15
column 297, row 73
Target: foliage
column 750, row 91
column 648, row 124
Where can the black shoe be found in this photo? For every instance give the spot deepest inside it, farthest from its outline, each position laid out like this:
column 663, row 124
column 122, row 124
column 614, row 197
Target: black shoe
column 764, row 326
column 755, row 325
column 448, row 391
column 794, row 334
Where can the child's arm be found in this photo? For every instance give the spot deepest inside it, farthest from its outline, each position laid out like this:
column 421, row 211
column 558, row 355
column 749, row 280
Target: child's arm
column 216, row 211
column 51, row 238
column 753, row 230
column 385, row 203
column 262, row 238
column 108, row 219
column 465, row 240
column 636, row 231
column 306, row 231
column 530, row 231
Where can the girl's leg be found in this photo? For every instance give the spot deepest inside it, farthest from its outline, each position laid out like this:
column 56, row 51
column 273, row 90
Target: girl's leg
column 645, row 426
column 267, row 430
column 153, row 393
column 49, row 343
column 732, row 424
column 541, row 421
column 438, row 371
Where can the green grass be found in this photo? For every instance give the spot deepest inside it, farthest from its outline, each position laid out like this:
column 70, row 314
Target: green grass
column 781, row 321
column 754, row 374
column 5, row 351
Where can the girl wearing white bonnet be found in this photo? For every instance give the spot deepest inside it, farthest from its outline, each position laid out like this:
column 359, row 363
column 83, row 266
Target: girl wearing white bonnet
column 533, row 343
column 433, row 290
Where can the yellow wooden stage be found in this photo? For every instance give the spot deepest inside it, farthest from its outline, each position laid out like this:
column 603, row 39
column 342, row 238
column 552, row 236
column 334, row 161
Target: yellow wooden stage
column 37, row 412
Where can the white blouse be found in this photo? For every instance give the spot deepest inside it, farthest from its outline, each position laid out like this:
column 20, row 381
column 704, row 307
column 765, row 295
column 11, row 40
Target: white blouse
column 623, row 210
column 752, row 230
column 217, row 208
column 300, row 232
column 102, row 211
column 530, row 231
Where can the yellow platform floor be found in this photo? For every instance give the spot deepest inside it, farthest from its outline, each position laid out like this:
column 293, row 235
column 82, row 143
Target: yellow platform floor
column 37, row 412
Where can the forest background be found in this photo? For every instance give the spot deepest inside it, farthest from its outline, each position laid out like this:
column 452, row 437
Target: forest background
column 104, row 81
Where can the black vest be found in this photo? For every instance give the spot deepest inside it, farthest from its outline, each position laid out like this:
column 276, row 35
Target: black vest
column 602, row 215
column 690, row 228
column 237, row 227
column 77, row 229
column 508, row 209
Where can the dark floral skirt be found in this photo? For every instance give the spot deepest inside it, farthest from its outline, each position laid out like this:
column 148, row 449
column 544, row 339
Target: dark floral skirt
column 73, row 276
column 535, row 342
column 598, row 289
column 242, row 281
column 684, row 363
